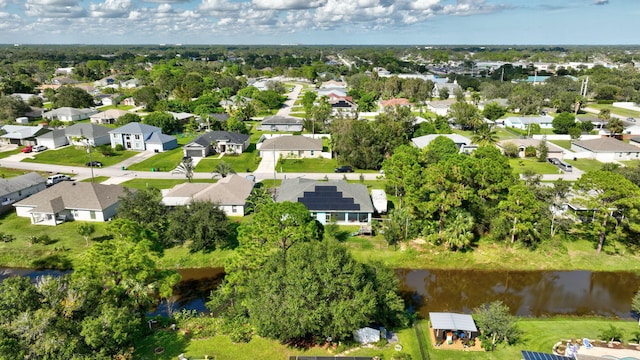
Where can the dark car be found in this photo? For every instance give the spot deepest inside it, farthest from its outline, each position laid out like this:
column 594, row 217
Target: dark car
column 344, row 169
column 94, row 164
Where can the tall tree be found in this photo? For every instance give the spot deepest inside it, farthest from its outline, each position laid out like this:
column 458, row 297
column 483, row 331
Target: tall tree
column 144, row 207
column 203, row 224
column 485, row 136
column 186, row 167
column 520, row 216
column 615, row 126
column 497, row 323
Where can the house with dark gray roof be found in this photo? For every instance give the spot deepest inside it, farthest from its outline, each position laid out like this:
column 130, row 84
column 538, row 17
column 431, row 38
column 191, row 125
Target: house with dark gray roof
column 220, row 142
column 329, row 201
column 229, row 194
column 96, row 135
column 281, row 123
column 606, row 149
column 18, row 188
column 139, row 136
column 70, row 200
column 290, row 146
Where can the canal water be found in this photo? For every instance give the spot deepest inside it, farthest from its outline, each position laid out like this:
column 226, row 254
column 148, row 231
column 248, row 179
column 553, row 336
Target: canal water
column 527, row 293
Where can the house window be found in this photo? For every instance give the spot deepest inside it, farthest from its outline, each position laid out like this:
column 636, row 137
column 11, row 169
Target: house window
column 312, row 152
column 137, row 137
column 75, row 213
column 234, row 209
column 92, row 215
column 20, row 193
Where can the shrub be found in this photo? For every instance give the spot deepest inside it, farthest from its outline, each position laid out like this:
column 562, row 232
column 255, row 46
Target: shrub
column 530, row 151
column 613, row 333
column 42, row 239
column 119, row 147
column 7, row 237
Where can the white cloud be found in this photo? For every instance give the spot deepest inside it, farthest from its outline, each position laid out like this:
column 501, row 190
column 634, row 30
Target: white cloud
column 111, row 9
column 3, row 3
column 167, row 1
column 600, row 2
column 54, row 8
column 288, row 4
column 216, row 6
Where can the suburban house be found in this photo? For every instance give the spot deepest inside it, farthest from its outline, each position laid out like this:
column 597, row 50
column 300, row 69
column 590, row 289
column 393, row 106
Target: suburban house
column 24, row 97
column 499, row 101
column 554, row 151
column 139, row 136
column 339, row 91
column 53, row 139
column 220, row 142
column 70, row 200
column 329, row 201
column 281, row 123
column 463, row 143
column 333, row 84
column 394, row 102
column 22, row 135
column 81, row 133
column 440, row 107
column 107, row 117
column 18, row 188
column 440, row 84
column 68, row 114
column 523, row 123
column 597, row 123
column 129, row 102
column 342, row 103
column 229, row 194
column 605, row 149
column 290, row 146
column 106, row 99
column 182, row 117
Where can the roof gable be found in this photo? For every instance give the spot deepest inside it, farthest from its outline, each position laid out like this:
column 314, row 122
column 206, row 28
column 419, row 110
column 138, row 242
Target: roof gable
column 74, row 195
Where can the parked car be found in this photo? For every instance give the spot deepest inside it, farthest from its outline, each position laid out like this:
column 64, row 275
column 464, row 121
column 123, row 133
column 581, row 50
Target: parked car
column 344, row 169
column 631, row 119
column 39, row 148
column 94, row 164
column 27, row 149
column 54, row 179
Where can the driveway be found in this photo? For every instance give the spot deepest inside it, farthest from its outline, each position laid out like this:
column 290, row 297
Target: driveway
column 286, row 108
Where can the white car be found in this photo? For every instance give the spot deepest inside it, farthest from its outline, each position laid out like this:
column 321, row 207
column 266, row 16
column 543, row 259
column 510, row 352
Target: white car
column 39, row 148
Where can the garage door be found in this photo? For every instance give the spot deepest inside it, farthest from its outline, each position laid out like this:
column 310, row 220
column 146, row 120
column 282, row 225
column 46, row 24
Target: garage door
column 194, row 153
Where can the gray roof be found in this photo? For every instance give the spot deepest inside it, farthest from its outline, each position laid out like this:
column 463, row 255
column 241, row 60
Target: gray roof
column 56, row 133
column 135, row 128
column 294, row 142
column 88, row 130
column 294, row 189
column 423, row 141
column 159, row 138
column 230, row 190
column 281, row 120
column 606, row 144
column 8, row 186
column 231, row 137
column 452, row 321
column 68, row 111
column 74, row 195
column 23, row 132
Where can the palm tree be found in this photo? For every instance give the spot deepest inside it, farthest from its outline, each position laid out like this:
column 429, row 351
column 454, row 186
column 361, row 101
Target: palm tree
column 615, row 126
column 485, row 136
column 186, row 167
column 460, row 231
column 223, row 169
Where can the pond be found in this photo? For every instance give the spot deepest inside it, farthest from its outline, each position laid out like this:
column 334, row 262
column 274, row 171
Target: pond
column 527, row 293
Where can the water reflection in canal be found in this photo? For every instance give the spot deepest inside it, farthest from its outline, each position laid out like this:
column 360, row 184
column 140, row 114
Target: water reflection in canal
column 527, row 293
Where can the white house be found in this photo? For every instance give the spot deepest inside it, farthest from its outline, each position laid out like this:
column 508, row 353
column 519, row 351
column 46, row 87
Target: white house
column 229, row 194
column 330, row 201
column 463, row 143
column 80, row 133
column 53, row 139
column 281, row 123
column 135, row 135
column 108, row 116
column 605, row 149
column 440, row 107
column 70, row 200
column 296, row 146
column 68, row 114
column 523, row 123
column 22, row 134
column 553, row 151
column 18, row 188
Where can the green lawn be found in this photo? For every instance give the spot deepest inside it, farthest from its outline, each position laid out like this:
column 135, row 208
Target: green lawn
column 161, row 183
column 616, row 110
column 97, row 179
column 586, row 164
column 500, row 132
column 119, row 107
column 631, row 163
column 77, row 156
column 6, row 154
column 565, row 144
column 312, row 165
column 245, row 162
column 521, row 165
column 165, row 161
column 6, row 173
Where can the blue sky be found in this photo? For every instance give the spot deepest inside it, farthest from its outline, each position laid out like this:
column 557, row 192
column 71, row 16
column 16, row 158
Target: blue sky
column 358, row 22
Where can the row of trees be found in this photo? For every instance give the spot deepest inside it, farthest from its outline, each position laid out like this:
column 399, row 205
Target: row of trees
column 98, row 311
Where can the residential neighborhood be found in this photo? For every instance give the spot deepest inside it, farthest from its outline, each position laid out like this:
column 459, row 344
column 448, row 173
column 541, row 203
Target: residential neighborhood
column 221, row 202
